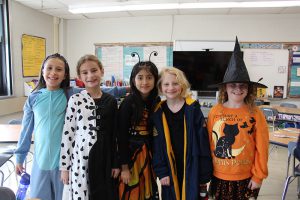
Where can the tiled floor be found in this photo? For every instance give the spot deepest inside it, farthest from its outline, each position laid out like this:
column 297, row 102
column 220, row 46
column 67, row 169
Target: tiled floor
column 271, row 189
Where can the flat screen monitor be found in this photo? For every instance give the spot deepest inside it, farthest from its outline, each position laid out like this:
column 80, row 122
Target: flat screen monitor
column 202, row 68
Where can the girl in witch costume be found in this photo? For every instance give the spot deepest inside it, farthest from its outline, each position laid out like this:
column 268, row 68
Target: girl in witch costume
column 138, row 181
column 238, row 135
column 88, row 147
column 181, row 153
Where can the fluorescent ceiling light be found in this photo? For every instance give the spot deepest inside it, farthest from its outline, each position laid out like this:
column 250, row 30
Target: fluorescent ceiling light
column 167, row 6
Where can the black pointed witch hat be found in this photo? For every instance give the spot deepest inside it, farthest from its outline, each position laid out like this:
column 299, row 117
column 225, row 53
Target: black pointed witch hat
column 236, row 71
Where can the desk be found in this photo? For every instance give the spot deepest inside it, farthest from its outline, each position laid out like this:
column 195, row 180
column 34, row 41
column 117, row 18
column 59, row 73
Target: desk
column 284, row 136
column 9, row 133
column 285, row 113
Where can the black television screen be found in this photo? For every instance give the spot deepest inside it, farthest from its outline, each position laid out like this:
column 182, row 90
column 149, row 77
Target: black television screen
column 202, row 68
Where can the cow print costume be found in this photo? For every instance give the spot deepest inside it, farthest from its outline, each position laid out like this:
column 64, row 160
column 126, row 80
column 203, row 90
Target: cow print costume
column 83, row 126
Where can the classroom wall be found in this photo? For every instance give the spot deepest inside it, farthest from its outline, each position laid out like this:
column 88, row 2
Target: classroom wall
column 77, row 37
column 24, row 20
column 80, row 35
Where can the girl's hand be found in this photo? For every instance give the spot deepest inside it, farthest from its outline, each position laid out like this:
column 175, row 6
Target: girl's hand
column 115, row 172
column 253, row 185
column 125, row 176
column 165, row 181
column 19, row 169
column 64, row 177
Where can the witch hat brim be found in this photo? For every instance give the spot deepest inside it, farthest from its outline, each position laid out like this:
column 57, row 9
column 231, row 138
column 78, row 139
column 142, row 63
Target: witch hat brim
column 236, row 71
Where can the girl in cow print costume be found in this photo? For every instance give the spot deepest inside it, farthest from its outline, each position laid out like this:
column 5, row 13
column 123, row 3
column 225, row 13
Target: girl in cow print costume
column 88, row 147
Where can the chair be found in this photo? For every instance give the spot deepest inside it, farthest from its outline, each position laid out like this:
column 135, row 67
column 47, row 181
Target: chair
column 15, row 121
column 7, row 194
column 271, row 116
column 5, row 158
column 288, row 105
column 295, row 170
column 259, row 102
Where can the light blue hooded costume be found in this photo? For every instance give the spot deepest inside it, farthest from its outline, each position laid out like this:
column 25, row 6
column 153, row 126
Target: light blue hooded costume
column 44, row 114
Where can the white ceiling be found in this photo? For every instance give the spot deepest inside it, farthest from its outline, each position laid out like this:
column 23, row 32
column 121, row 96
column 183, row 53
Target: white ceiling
column 59, row 8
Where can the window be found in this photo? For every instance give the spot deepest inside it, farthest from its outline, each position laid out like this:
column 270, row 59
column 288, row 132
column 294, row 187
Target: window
column 5, row 61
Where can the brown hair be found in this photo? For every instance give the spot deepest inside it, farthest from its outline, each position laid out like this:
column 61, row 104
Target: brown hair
column 65, row 84
column 249, row 99
column 88, row 57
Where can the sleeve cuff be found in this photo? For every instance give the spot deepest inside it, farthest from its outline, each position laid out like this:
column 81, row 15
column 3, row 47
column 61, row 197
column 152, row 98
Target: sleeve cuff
column 256, row 179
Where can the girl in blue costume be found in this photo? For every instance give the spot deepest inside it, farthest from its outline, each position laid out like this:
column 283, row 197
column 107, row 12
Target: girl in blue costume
column 138, row 181
column 181, row 153
column 44, row 113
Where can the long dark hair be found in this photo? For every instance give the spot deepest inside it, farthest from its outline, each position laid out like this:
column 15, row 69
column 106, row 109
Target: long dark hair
column 65, row 84
column 138, row 102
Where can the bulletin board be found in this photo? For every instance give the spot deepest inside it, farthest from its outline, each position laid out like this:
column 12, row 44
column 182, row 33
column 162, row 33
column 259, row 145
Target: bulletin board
column 295, row 75
column 33, row 54
column 118, row 62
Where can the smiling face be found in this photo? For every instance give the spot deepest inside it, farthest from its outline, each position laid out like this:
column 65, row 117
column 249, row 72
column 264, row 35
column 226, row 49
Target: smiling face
column 170, row 87
column 90, row 74
column 144, row 82
column 53, row 73
column 237, row 92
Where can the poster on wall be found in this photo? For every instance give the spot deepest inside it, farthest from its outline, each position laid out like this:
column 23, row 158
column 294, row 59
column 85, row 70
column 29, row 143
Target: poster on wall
column 261, row 92
column 278, row 92
column 33, row 54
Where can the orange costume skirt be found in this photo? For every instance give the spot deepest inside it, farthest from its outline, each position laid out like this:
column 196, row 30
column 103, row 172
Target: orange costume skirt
column 142, row 185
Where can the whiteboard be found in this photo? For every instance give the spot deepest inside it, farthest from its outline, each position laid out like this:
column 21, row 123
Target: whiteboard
column 269, row 64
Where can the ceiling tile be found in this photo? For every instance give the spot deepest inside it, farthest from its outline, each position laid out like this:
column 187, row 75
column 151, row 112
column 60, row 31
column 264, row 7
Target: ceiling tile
column 106, row 15
column 293, row 10
column 254, row 11
column 219, row 11
column 154, row 12
column 59, row 8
